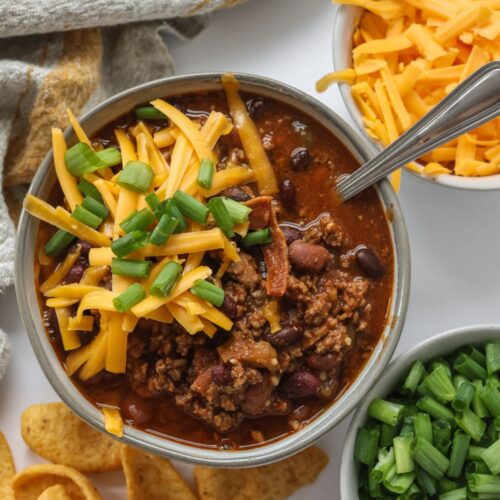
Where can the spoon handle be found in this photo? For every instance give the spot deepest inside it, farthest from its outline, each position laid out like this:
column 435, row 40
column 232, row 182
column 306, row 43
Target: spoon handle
column 475, row 101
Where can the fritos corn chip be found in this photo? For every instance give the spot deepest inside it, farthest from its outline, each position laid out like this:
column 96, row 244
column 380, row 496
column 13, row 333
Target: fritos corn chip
column 152, row 478
column 270, row 482
column 30, row 483
column 55, row 433
column 56, row 492
column 7, row 469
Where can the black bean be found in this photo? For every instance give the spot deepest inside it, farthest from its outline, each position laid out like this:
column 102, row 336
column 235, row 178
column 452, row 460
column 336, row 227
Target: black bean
column 237, row 194
column 255, row 107
column 369, row 263
column 300, row 384
column 75, row 273
column 85, row 247
column 291, row 234
column 324, row 362
column 288, row 335
column 137, row 409
column 300, row 159
column 221, row 374
column 230, row 307
column 287, row 193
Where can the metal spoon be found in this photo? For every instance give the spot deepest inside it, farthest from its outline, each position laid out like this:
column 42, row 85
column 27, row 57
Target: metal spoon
column 475, row 101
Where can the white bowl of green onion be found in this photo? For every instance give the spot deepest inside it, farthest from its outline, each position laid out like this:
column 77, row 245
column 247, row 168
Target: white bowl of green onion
column 430, row 427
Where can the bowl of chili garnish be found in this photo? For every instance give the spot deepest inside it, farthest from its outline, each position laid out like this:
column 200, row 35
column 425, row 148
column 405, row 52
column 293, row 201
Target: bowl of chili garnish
column 394, row 61
column 190, row 282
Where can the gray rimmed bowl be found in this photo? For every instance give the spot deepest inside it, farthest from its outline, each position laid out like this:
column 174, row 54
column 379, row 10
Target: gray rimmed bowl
column 439, row 345
column 45, row 178
column 346, row 18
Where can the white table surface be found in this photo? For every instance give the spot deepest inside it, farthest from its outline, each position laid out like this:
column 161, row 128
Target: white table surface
column 455, row 235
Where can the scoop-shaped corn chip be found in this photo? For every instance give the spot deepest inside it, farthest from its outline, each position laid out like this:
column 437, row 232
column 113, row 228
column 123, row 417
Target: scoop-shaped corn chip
column 55, row 433
column 56, row 492
column 7, row 469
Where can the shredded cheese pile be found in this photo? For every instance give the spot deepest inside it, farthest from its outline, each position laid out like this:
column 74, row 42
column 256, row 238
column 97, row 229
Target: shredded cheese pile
column 407, row 56
column 188, row 143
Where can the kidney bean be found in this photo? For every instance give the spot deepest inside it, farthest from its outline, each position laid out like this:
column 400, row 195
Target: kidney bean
column 221, row 374
column 286, row 336
column 256, row 397
column 237, row 194
column 369, row 263
column 287, row 193
column 230, row 307
column 85, row 247
column 300, row 159
column 324, row 362
column 308, row 257
column 137, row 409
column 300, row 384
column 291, row 234
column 75, row 273
column 255, row 107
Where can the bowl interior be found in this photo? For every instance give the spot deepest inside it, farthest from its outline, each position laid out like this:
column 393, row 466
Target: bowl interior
column 27, row 299
column 345, row 21
column 439, row 345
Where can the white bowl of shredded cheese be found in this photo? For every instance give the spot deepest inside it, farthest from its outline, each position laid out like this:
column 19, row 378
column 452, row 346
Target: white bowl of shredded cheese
column 484, row 150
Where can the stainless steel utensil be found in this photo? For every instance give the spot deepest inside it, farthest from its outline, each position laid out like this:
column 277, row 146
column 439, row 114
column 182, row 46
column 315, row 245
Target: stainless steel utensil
column 472, row 103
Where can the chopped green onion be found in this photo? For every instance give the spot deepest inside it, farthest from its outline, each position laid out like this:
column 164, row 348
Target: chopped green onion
column 129, row 298
column 407, row 428
column 139, row 220
column 387, row 433
column 129, row 243
column 136, row 176
column 209, row 292
column 170, row 208
column 152, row 200
column 239, row 212
column 490, row 396
column 398, row 483
column 423, row 390
column 132, row 268
column 457, row 494
column 445, row 485
column 385, row 460
column 385, row 411
column 440, row 384
column 366, row 445
column 94, row 206
column 423, row 426
column 374, row 489
column 412, row 493
column 149, row 113
column 477, row 466
column 496, row 423
column 221, row 216
column 491, row 456
column 206, row 173
column 458, row 380
column 110, row 156
column 475, row 453
column 492, row 357
column 88, row 189
column 165, row 227
column 166, row 280
column 478, row 407
column 441, row 362
column 426, row 482
column 490, row 434
column 81, row 159
column 441, row 435
column 402, row 452
column 191, row 207
column 484, row 483
column 471, row 424
column 260, row 237
column 459, row 448
column 429, row 458
column 414, row 378
column 475, row 354
column 463, row 397
column 435, row 409
column 58, row 243
column 86, row 217
column 469, row 368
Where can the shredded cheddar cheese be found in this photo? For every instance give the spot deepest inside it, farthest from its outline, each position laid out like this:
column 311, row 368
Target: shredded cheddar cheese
column 407, row 56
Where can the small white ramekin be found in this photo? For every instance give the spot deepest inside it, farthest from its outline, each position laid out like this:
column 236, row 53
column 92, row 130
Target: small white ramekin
column 345, row 21
column 439, row 345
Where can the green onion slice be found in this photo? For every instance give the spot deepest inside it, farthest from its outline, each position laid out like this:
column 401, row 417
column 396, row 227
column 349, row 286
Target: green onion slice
column 136, row 176
column 139, row 220
column 132, row 268
column 82, row 159
column 58, row 243
column 86, row 217
column 129, row 298
column 129, row 243
column 206, row 173
column 191, row 207
column 209, row 292
column 221, row 216
column 149, row 113
column 166, row 280
column 260, row 237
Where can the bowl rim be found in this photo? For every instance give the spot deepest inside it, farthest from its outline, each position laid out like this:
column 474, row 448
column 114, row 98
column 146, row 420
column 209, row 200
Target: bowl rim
column 284, row 446
column 341, row 18
column 448, row 341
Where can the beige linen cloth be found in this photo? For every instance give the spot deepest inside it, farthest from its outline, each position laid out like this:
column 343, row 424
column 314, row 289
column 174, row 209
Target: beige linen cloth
column 56, row 54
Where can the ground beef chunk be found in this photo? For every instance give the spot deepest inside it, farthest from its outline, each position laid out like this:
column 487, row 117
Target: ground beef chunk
column 326, row 231
column 245, row 272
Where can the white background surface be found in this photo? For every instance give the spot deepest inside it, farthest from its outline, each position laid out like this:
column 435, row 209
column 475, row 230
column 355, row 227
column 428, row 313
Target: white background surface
column 455, row 235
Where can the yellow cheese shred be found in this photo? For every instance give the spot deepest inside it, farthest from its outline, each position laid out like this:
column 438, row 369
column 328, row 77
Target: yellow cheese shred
column 113, row 422
column 61, row 271
column 107, row 195
column 79, row 132
column 116, row 352
column 70, row 339
column 192, row 324
column 86, row 324
column 102, row 300
column 72, row 291
column 76, row 359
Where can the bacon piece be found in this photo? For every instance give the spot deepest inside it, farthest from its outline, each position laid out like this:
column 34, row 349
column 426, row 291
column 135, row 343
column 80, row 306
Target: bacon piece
column 259, row 354
column 276, row 253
